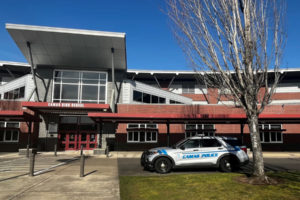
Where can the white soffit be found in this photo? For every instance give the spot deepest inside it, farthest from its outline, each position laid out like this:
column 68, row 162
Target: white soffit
column 70, row 47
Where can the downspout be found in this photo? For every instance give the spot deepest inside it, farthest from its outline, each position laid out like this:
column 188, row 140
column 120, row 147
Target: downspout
column 33, row 71
column 113, row 103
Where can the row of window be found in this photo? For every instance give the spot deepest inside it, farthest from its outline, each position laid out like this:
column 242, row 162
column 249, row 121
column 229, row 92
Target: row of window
column 17, row 93
column 79, row 87
column 203, row 129
column 149, row 98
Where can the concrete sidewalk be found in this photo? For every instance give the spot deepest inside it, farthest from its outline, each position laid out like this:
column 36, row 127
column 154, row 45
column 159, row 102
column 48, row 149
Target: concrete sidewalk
column 101, row 181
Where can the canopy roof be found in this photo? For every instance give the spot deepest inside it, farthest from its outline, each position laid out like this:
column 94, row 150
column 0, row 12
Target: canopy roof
column 70, row 47
column 65, row 108
column 192, row 118
column 19, row 116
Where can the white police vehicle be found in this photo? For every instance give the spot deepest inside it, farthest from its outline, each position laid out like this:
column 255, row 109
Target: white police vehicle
column 222, row 152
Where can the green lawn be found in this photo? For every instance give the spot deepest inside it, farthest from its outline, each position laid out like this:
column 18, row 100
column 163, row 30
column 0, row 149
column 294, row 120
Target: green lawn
column 207, row 186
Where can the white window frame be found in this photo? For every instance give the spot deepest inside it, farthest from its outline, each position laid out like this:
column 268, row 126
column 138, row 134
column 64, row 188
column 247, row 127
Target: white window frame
column 262, row 133
column 143, row 127
column 198, row 127
column 139, row 136
column 12, row 129
column 80, row 84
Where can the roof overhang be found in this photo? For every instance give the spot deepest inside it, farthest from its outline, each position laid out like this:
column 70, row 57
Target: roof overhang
column 19, row 116
column 70, row 47
column 192, row 118
column 65, row 108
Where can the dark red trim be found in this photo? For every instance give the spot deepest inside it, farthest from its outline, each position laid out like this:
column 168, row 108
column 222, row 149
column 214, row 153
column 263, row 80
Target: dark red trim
column 13, row 115
column 64, row 106
column 182, row 118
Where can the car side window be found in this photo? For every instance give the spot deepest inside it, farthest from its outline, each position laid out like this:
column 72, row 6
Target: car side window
column 210, row 143
column 190, row 144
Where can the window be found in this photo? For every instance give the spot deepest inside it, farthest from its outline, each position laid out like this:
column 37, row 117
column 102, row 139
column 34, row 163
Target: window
column 9, row 131
column 142, row 136
column 79, row 86
column 147, row 98
column 188, row 88
column 17, row 93
column 139, row 126
column 175, row 102
column 190, row 144
column 139, row 133
column 210, row 143
column 270, row 133
column 194, row 129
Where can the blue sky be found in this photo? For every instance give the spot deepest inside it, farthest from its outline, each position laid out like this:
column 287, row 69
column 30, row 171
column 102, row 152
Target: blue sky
column 150, row 43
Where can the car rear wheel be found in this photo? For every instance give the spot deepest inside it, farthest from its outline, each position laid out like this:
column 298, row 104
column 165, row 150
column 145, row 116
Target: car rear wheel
column 163, row 165
column 227, row 164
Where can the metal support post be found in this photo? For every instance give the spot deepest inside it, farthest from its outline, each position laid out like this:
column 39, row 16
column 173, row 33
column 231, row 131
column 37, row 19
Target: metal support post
column 168, row 134
column 81, row 150
column 33, row 70
column 31, row 164
column 107, row 151
column 113, row 80
column 82, row 159
column 55, row 149
column 28, row 139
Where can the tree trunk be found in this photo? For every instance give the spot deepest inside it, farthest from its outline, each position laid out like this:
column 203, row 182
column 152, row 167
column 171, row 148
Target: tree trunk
column 258, row 168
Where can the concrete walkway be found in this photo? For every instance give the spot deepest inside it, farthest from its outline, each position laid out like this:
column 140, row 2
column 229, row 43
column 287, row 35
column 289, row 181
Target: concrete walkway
column 101, row 181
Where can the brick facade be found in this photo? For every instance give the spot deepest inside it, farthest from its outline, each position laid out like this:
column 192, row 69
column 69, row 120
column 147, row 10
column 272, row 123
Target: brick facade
column 291, row 135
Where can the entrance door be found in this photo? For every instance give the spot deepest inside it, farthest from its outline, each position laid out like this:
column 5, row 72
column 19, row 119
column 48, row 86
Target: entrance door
column 88, row 140
column 73, row 140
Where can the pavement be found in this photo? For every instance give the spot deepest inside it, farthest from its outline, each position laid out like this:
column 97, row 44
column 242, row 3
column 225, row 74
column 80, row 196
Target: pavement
column 58, row 177
column 100, row 181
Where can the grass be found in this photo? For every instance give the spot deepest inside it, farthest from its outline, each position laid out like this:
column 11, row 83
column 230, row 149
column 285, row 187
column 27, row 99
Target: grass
column 207, row 186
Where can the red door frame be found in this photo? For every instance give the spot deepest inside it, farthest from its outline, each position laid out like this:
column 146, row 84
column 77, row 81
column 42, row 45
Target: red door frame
column 77, row 142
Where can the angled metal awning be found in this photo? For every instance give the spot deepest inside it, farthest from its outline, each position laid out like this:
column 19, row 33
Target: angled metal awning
column 65, row 108
column 19, row 116
column 192, row 118
column 70, row 47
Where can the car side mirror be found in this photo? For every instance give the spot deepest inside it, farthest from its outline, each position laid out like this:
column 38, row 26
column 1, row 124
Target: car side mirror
column 182, row 148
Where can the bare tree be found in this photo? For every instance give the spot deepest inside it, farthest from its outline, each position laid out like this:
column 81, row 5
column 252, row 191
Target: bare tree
column 235, row 46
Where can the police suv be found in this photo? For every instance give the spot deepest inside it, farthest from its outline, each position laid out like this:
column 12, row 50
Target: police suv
column 221, row 152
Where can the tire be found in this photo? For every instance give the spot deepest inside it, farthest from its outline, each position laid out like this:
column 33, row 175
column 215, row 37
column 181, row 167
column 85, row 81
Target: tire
column 227, row 164
column 163, row 165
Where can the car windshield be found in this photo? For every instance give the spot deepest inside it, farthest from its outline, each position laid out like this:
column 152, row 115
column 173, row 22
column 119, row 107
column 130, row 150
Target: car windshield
column 178, row 143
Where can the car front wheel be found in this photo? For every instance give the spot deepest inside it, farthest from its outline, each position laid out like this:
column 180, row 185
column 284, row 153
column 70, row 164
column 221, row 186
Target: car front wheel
column 163, row 165
column 226, row 164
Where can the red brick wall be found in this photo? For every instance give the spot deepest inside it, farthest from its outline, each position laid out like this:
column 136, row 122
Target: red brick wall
column 205, row 109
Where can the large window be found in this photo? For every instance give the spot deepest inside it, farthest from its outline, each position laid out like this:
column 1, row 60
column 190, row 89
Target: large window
column 147, row 98
column 17, row 93
column 203, row 129
column 270, row 133
column 9, row 131
column 144, row 133
column 79, row 87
